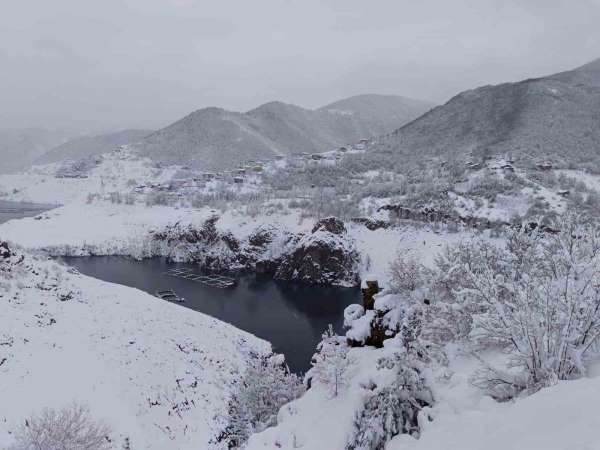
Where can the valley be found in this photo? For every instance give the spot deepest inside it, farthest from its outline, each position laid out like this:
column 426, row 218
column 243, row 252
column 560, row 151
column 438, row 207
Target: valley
column 402, row 275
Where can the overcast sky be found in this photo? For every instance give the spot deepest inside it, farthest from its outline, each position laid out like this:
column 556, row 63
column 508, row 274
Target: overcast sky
column 107, row 64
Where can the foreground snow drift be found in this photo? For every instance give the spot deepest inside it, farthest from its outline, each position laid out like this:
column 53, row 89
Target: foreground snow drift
column 561, row 417
column 155, row 372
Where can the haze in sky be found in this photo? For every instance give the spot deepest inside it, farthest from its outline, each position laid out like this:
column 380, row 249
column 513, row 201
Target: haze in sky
column 144, row 63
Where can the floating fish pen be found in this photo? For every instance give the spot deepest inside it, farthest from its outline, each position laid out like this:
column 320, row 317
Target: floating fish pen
column 218, row 281
column 169, row 296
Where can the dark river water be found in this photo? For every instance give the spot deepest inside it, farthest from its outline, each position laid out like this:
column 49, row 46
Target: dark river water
column 290, row 316
column 18, row 210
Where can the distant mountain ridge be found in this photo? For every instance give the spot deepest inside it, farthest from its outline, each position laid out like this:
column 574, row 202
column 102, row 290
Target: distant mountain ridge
column 87, row 146
column 20, row 147
column 556, row 117
column 215, row 138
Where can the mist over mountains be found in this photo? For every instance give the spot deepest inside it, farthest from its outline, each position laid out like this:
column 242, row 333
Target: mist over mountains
column 21, row 147
column 556, row 117
column 215, row 138
column 88, row 146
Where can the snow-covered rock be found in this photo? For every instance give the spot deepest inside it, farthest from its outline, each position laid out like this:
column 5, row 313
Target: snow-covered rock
column 327, row 255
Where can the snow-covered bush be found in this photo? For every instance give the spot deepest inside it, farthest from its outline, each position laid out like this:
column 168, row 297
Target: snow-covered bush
column 331, row 362
column 159, row 198
column 76, row 169
column 266, row 386
column 406, row 275
column 70, row 428
column 488, row 185
column 537, row 299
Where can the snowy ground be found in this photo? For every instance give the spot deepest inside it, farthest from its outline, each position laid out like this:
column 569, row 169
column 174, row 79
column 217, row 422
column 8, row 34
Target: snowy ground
column 117, row 229
column 505, row 206
column 160, row 374
column 561, row 417
column 154, row 371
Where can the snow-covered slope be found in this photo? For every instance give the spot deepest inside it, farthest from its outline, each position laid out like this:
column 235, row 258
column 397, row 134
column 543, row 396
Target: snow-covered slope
column 118, row 171
column 554, row 117
column 561, row 417
column 156, row 373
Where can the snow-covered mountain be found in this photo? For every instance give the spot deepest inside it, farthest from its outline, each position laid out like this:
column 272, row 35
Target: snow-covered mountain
column 587, row 75
column 378, row 114
column 214, row 138
column 555, row 117
column 86, row 146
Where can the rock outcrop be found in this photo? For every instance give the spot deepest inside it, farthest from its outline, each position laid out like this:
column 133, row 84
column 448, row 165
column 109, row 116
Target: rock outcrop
column 324, row 256
column 5, row 252
column 211, row 249
column 371, row 224
column 431, row 215
column 380, row 317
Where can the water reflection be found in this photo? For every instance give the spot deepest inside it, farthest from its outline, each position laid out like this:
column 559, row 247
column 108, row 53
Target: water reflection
column 291, row 316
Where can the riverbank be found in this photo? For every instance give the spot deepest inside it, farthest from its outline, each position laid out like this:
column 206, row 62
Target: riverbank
column 20, row 210
column 291, row 316
column 156, row 373
column 106, row 229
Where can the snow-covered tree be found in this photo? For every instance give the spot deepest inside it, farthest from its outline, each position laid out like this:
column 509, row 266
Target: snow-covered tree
column 391, row 410
column 266, row 386
column 537, row 299
column 395, row 408
column 70, row 428
column 331, row 362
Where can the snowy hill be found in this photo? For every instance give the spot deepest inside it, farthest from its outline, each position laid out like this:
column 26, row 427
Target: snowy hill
column 156, row 373
column 87, row 146
column 555, row 118
column 214, row 138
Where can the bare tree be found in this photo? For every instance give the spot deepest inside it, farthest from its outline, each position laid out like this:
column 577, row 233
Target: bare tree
column 406, row 274
column 70, row 428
